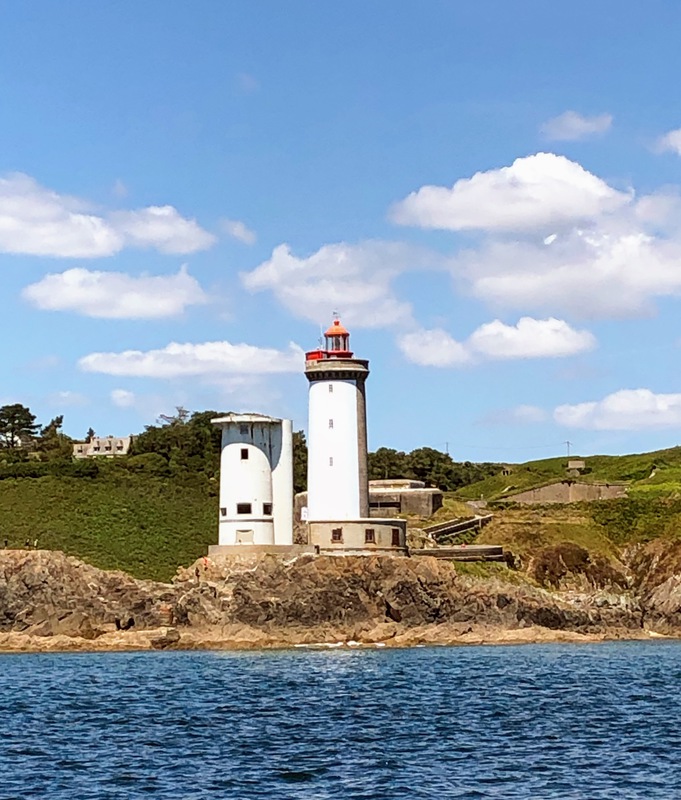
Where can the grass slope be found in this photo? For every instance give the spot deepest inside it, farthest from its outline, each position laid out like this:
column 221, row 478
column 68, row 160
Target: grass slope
column 142, row 524
column 653, row 474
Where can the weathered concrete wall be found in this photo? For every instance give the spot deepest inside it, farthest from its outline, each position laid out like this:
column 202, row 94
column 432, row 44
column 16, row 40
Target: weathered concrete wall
column 418, row 502
column 361, row 536
column 570, row 492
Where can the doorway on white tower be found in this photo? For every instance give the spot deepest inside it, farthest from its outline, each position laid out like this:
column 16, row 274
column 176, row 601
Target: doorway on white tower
column 244, row 537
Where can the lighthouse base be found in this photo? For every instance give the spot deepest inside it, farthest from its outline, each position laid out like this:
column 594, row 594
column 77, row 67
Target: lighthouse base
column 366, row 536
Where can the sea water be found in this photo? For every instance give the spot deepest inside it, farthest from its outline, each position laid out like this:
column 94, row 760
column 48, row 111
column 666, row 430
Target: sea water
column 538, row 721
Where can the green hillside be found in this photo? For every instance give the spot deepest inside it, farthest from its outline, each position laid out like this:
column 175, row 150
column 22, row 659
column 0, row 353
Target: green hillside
column 655, row 474
column 143, row 524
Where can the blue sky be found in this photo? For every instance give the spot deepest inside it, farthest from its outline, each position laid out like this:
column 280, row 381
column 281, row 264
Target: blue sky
column 487, row 192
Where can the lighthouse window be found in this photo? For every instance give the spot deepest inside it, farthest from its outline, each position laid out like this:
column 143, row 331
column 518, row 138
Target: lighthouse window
column 244, row 454
column 243, row 430
column 330, row 388
column 370, row 536
column 330, row 461
column 243, row 508
column 396, row 537
column 330, row 423
column 267, row 509
column 336, row 534
column 223, row 511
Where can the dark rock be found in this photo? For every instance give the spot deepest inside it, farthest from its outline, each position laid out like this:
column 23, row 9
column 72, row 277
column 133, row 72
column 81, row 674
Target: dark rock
column 47, row 593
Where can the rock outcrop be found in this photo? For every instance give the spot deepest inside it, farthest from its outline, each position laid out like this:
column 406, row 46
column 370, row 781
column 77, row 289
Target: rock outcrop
column 46, row 593
column 49, row 600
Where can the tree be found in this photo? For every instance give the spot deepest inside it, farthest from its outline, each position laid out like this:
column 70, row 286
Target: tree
column 299, row 462
column 52, row 442
column 17, row 426
column 90, row 435
column 387, row 463
column 431, row 466
column 189, row 442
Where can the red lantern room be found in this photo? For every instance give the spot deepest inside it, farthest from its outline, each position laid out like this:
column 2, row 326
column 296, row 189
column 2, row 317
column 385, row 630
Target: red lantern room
column 337, row 340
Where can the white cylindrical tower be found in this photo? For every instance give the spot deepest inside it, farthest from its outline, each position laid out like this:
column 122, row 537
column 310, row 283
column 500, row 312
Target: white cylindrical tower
column 256, row 480
column 337, row 477
column 282, row 487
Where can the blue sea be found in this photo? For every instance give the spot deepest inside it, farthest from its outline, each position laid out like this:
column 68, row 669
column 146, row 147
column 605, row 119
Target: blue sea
column 538, row 721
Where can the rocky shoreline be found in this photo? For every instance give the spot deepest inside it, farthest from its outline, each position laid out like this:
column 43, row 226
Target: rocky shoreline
column 50, row 602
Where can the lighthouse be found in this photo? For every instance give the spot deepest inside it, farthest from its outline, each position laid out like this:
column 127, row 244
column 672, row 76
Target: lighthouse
column 338, row 516
column 337, row 477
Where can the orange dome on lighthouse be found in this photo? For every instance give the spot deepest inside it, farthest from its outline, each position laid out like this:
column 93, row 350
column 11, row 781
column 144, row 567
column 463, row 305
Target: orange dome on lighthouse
column 337, row 329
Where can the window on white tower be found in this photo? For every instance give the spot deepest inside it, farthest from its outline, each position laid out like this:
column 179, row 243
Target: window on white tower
column 330, row 461
column 330, row 388
column 330, row 423
column 244, row 508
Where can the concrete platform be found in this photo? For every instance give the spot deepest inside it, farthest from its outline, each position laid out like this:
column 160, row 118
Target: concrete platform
column 464, row 552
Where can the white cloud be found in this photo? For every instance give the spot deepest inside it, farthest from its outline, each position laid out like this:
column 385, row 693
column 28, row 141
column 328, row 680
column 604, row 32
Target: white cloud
column 625, row 410
column 611, row 263
column 196, row 360
column 572, row 126
column 433, row 348
column 115, row 295
column 602, row 272
column 163, row 228
column 355, row 280
column 670, row 142
column 40, row 222
column 238, row 230
column 660, row 210
column 556, row 242
column 123, row 398
column 536, row 192
column 529, row 338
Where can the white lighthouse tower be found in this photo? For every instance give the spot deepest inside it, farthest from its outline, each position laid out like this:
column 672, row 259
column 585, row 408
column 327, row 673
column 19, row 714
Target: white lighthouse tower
column 256, row 481
column 337, row 478
column 338, row 519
